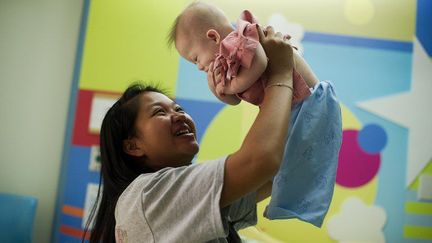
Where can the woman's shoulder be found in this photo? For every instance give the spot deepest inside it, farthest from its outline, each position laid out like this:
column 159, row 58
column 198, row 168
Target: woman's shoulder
column 167, row 177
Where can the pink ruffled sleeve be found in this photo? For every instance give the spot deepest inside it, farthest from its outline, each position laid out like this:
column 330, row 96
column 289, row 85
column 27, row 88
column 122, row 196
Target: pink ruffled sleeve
column 248, row 42
column 238, row 48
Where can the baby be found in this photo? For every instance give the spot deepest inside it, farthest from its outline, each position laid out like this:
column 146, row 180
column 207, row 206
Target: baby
column 205, row 36
column 236, row 61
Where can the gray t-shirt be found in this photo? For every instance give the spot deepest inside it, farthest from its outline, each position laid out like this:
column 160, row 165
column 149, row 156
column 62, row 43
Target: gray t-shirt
column 180, row 205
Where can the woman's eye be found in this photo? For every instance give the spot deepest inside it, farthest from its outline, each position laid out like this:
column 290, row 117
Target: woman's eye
column 179, row 109
column 159, row 112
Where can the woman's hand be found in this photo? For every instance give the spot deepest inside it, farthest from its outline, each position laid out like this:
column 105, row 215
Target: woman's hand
column 280, row 54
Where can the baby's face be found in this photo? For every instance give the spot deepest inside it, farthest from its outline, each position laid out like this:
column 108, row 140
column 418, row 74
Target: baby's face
column 200, row 51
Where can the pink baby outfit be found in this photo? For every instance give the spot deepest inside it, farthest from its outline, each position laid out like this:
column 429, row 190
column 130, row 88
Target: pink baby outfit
column 238, row 50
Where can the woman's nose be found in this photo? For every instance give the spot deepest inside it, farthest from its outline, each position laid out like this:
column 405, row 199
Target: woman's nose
column 178, row 117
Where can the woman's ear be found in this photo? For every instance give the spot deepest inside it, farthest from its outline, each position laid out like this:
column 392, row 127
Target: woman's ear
column 213, row 35
column 131, row 147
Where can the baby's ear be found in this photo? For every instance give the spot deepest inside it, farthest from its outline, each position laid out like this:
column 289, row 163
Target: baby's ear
column 213, row 35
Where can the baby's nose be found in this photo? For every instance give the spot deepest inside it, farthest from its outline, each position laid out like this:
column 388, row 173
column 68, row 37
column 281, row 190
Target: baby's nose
column 200, row 67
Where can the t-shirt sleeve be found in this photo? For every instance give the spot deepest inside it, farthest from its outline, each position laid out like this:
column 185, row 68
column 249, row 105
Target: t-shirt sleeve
column 182, row 204
column 237, row 49
column 242, row 213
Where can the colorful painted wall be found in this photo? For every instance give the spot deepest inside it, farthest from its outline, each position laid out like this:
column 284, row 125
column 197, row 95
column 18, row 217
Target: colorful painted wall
column 376, row 52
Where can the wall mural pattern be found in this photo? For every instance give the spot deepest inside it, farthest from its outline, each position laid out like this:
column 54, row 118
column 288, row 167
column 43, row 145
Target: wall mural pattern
column 378, row 55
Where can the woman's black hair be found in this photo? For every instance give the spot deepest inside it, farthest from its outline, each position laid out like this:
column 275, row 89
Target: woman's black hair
column 118, row 169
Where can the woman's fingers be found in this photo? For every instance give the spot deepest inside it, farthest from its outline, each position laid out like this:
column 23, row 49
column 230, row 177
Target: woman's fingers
column 279, row 35
column 287, row 39
column 270, row 31
column 287, row 36
column 261, row 33
column 280, row 55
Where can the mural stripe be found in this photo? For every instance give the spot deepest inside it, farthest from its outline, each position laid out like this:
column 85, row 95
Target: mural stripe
column 418, row 232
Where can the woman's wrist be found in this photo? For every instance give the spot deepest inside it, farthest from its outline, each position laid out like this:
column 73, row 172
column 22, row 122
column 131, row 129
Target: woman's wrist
column 289, row 86
column 280, row 80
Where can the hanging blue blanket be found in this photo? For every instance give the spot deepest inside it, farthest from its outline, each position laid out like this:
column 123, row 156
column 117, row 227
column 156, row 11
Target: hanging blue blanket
column 303, row 187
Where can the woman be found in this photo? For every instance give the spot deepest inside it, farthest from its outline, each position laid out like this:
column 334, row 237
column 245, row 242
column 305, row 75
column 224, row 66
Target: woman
column 152, row 192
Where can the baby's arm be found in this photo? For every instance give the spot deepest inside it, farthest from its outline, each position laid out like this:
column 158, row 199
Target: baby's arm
column 227, row 98
column 305, row 70
column 248, row 76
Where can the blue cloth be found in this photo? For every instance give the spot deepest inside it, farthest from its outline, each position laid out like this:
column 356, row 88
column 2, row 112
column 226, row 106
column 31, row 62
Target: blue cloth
column 303, row 186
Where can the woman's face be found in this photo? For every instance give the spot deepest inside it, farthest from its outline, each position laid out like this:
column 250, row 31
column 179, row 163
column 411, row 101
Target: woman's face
column 165, row 135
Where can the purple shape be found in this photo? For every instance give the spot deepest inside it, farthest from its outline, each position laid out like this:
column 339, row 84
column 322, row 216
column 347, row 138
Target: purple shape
column 355, row 168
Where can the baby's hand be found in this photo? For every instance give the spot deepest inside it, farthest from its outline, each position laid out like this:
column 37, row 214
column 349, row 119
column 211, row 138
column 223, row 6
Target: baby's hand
column 215, row 84
column 211, row 75
column 220, row 89
column 214, row 77
column 217, row 75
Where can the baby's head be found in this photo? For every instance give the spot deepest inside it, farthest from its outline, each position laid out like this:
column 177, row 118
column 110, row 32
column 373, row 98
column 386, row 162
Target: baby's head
column 197, row 32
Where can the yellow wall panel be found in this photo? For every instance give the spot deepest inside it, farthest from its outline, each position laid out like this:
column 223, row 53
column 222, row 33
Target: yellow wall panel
column 381, row 19
column 125, row 41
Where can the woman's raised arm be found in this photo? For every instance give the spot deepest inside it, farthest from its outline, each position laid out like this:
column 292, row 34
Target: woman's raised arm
column 259, row 156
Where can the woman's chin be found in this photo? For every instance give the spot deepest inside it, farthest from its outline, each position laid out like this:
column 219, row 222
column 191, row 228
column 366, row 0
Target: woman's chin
column 192, row 152
column 192, row 148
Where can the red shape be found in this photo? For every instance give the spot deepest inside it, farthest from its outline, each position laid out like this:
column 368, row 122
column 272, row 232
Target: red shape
column 73, row 211
column 81, row 134
column 74, row 232
column 355, row 167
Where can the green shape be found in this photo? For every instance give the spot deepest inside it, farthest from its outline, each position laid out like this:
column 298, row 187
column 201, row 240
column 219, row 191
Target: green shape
column 427, row 170
column 418, row 232
column 126, row 42
column 418, row 208
column 223, row 135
